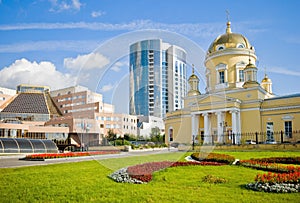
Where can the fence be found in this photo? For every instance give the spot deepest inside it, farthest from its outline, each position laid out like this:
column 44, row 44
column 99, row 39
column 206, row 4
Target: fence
column 279, row 137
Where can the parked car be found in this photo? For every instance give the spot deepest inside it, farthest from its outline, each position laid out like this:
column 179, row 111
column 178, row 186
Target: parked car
column 271, row 142
column 250, row 142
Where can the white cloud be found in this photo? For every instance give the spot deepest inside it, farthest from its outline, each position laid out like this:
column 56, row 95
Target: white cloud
column 96, row 14
column 284, row 71
column 106, row 88
column 88, row 61
column 196, row 29
column 117, row 66
column 25, row 72
column 68, row 45
column 63, row 5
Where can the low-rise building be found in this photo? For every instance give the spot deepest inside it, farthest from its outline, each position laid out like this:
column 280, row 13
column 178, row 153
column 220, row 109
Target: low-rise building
column 25, row 115
column 89, row 117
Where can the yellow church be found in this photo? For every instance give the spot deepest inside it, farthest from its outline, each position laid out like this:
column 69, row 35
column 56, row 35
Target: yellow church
column 236, row 108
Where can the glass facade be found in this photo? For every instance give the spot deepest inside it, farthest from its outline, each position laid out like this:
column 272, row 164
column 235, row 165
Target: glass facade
column 151, row 84
column 16, row 145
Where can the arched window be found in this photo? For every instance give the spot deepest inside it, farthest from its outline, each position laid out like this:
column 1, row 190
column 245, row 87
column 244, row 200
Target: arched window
column 220, row 47
column 240, row 45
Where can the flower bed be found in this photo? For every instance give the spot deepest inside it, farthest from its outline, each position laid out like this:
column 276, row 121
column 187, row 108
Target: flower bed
column 280, row 160
column 221, row 158
column 279, row 179
column 276, row 182
column 142, row 173
column 44, row 156
column 265, row 166
column 275, row 188
column 271, row 178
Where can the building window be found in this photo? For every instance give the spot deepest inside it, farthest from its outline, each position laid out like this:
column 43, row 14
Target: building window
column 221, row 77
column 171, row 134
column 220, row 47
column 288, row 128
column 240, row 45
column 270, row 132
column 241, row 75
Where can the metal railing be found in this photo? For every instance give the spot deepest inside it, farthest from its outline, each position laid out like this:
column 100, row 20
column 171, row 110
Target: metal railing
column 279, row 137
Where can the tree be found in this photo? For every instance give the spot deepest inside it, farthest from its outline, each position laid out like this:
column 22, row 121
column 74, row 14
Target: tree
column 155, row 135
column 129, row 137
column 111, row 136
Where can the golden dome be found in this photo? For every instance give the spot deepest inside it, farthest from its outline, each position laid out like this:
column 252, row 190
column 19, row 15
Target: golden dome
column 249, row 66
column 193, row 82
column 266, row 79
column 229, row 40
column 193, row 76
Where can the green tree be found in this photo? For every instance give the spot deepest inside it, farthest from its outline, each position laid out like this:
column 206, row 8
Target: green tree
column 111, row 136
column 155, row 135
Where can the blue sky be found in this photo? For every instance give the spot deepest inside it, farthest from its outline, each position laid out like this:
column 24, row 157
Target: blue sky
column 49, row 42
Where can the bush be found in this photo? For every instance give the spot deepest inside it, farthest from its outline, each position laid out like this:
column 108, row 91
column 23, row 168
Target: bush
column 213, row 179
column 221, row 158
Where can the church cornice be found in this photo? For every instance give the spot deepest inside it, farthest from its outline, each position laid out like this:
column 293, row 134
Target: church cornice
column 280, row 108
column 230, row 51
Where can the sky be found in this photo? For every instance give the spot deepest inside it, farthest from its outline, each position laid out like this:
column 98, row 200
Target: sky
column 62, row 43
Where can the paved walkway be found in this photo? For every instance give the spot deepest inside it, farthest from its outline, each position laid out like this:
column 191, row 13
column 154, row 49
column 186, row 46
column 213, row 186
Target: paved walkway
column 14, row 162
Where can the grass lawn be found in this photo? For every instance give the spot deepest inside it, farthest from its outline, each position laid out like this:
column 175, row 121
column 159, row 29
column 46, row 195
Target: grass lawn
column 88, row 182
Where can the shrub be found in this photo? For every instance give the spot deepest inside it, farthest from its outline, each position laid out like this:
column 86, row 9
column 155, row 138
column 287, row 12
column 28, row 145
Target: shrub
column 213, row 179
column 221, row 158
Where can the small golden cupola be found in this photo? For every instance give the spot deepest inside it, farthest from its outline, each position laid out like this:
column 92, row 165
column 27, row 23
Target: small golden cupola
column 266, row 84
column 194, row 84
column 250, row 72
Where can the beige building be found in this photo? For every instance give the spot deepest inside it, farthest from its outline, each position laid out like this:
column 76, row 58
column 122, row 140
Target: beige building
column 236, row 106
column 5, row 96
column 25, row 114
column 88, row 117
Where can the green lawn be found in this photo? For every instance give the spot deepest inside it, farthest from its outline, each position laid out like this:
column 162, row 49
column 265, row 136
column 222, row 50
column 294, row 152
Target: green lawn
column 88, row 182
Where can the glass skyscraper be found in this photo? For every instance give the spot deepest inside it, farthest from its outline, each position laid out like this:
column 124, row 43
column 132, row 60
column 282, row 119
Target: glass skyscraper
column 157, row 78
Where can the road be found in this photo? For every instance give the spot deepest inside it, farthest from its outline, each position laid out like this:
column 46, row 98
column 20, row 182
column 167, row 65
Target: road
column 14, row 162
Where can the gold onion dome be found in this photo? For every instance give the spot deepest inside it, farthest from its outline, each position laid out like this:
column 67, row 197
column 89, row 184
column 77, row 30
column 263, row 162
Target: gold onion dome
column 229, row 40
column 193, row 76
column 193, row 82
column 250, row 66
column 266, row 79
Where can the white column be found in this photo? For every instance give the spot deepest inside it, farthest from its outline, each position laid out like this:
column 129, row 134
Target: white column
column 195, row 126
column 234, row 124
column 207, row 134
column 239, row 128
column 220, row 123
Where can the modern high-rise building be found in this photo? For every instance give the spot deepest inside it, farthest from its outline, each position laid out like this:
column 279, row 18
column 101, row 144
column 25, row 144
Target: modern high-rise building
column 157, row 78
